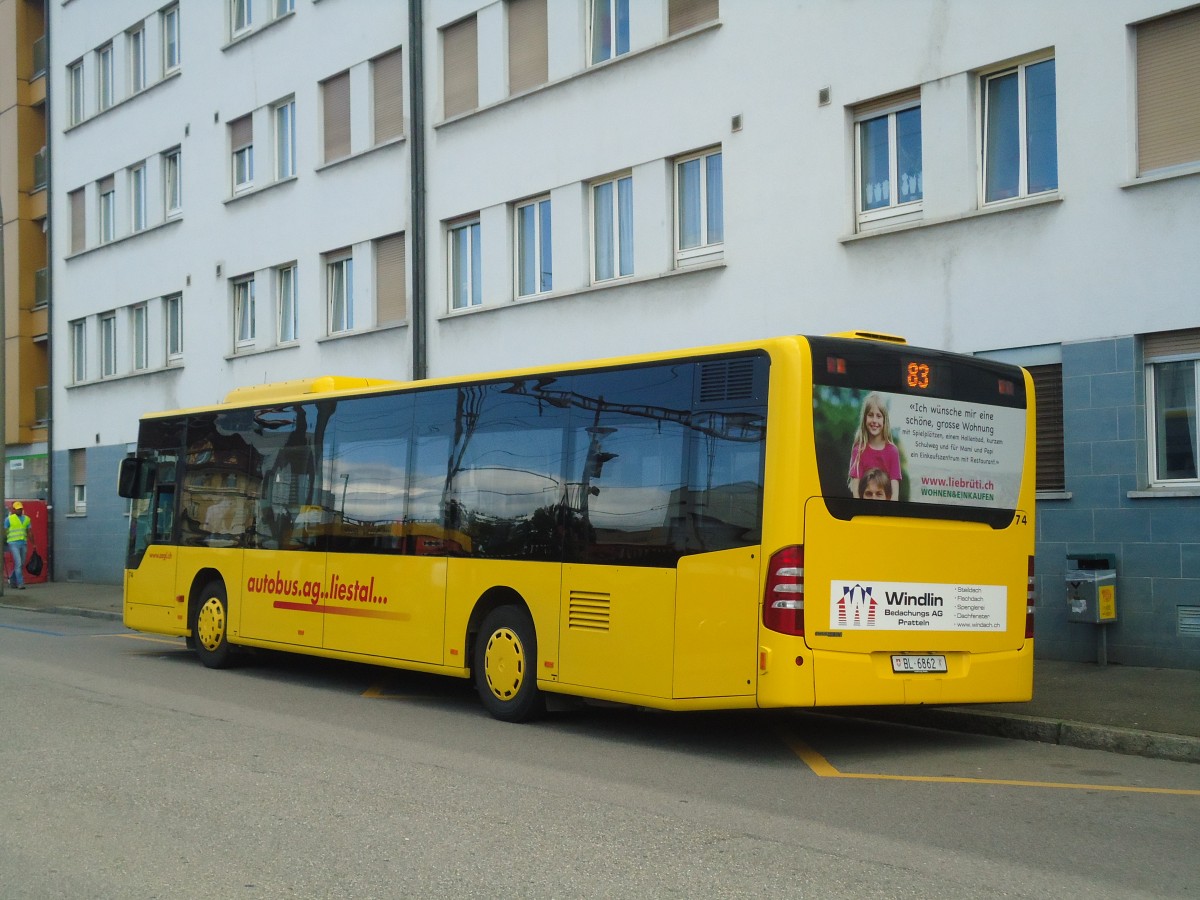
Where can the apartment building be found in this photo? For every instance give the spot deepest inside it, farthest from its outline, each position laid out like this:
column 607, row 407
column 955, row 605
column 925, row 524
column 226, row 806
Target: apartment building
column 24, row 178
column 258, row 190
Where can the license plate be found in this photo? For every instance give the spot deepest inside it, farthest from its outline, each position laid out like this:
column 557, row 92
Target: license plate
column 911, row 662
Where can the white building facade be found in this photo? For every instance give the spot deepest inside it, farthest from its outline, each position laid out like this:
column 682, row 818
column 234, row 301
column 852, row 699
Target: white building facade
column 260, row 190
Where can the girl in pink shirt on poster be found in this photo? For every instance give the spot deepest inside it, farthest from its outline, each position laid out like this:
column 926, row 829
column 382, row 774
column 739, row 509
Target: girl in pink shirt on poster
column 873, row 447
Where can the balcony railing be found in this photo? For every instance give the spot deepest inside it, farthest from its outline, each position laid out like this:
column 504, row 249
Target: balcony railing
column 41, row 169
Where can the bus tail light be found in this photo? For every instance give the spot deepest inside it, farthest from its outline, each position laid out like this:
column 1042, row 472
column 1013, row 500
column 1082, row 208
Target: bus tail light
column 783, row 596
column 1030, row 600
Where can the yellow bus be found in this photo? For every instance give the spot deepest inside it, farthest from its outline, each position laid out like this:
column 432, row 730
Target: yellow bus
column 793, row 522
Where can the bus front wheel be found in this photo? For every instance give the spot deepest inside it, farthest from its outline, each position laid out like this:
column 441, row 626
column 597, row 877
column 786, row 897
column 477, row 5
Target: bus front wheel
column 505, row 665
column 209, row 630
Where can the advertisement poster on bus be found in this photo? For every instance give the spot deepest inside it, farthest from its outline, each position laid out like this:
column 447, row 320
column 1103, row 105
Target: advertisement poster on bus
column 876, row 445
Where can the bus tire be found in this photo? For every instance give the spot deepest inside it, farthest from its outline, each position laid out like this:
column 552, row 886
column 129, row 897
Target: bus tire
column 506, row 665
column 211, row 626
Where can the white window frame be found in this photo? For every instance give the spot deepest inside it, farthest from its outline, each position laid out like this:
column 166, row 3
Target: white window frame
column 241, row 17
column 137, row 198
column 108, row 215
column 622, row 261
column 895, row 210
column 173, row 319
column 339, row 289
column 286, row 304
column 1023, row 191
column 1152, row 416
column 135, row 42
column 464, row 259
column 139, row 315
column 172, row 57
column 173, row 183
column 531, row 256
column 244, row 313
column 610, row 46
column 79, row 351
column 108, row 345
column 75, row 80
column 104, row 77
column 710, row 246
column 284, row 118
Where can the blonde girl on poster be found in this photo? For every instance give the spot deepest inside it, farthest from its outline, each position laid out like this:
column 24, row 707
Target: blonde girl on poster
column 873, row 446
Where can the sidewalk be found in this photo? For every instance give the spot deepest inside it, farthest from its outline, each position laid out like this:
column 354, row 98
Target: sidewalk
column 1137, row 711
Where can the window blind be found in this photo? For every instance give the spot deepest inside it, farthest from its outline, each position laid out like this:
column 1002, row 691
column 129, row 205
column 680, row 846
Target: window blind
column 685, row 14
column 241, row 132
column 390, row 288
column 335, row 99
column 1047, row 389
column 528, row 60
column 1171, row 343
column 460, row 68
column 387, row 71
column 78, row 222
column 1168, row 85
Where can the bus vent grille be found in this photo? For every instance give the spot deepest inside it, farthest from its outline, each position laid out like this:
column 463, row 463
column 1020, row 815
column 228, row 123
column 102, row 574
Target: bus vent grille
column 589, row 611
column 727, row 379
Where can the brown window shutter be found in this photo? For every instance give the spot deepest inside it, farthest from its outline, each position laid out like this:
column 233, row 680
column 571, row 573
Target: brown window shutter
column 685, row 14
column 390, row 288
column 388, row 74
column 899, row 100
column 1168, row 88
column 528, row 59
column 335, row 100
column 460, row 68
column 78, row 222
column 1171, row 343
column 241, row 132
column 1047, row 387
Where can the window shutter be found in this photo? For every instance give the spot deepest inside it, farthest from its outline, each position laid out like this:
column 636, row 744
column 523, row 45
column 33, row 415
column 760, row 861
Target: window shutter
column 241, row 132
column 1171, row 343
column 78, row 222
column 388, row 74
column 898, row 100
column 528, row 60
column 685, row 14
column 1047, row 388
column 335, row 97
column 390, row 288
column 460, row 68
column 1168, row 85
column 107, row 185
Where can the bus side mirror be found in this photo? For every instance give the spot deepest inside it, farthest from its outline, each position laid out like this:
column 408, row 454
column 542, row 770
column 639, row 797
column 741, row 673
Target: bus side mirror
column 135, row 478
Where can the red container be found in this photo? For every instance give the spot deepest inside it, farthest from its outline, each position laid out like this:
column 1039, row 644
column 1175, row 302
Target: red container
column 36, row 510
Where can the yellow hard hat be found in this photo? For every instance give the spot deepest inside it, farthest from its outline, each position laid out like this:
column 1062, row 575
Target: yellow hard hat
column 18, row 505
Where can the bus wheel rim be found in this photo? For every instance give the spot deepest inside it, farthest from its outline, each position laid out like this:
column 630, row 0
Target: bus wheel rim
column 210, row 624
column 504, row 664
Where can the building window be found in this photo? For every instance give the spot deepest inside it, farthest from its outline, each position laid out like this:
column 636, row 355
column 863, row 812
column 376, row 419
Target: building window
column 1048, row 390
column 612, row 228
column 283, row 7
column 104, row 77
column 78, row 351
column 108, row 209
column 286, row 303
column 534, row 265
column 683, row 15
column 141, row 345
column 466, row 265
column 387, row 75
column 335, row 113
column 170, row 38
column 528, row 57
column 243, row 312
column 241, row 145
column 108, row 345
column 285, row 140
column 240, row 16
column 137, row 198
column 610, row 29
column 339, row 291
column 1172, row 386
column 77, row 464
column 172, row 183
column 1168, row 114
column 888, row 146
column 699, row 208
column 75, row 80
column 391, row 288
column 78, row 221
column 174, row 335
column 1020, row 132
column 460, row 68
column 135, row 41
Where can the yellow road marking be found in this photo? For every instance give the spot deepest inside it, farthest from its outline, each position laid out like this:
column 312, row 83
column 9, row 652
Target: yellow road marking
column 823, row 768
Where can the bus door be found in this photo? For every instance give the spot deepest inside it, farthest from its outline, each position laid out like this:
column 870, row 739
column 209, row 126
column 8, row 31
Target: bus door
column 149, row 482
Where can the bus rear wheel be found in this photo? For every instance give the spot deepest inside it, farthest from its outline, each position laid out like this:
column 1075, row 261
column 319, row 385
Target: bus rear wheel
column 505, row 666
column 211, row 625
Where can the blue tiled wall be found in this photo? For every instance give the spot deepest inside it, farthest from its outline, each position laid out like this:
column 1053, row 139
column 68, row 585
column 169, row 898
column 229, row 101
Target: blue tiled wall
column 1156, row 540
column 90, row 547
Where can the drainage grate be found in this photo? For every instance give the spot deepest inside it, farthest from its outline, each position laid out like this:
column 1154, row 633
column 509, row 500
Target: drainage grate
column 1189, row 620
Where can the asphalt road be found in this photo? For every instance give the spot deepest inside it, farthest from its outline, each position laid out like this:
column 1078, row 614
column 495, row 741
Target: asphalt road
column 128, row 770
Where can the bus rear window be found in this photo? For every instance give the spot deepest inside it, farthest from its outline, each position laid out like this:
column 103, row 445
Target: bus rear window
column 924, row 433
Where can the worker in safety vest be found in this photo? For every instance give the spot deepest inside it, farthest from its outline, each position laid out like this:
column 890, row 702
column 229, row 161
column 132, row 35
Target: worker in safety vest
column 18, row 535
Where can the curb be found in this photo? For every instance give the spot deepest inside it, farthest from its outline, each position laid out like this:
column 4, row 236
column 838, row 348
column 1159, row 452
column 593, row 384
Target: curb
column 68, row 611
column 1109, row 738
